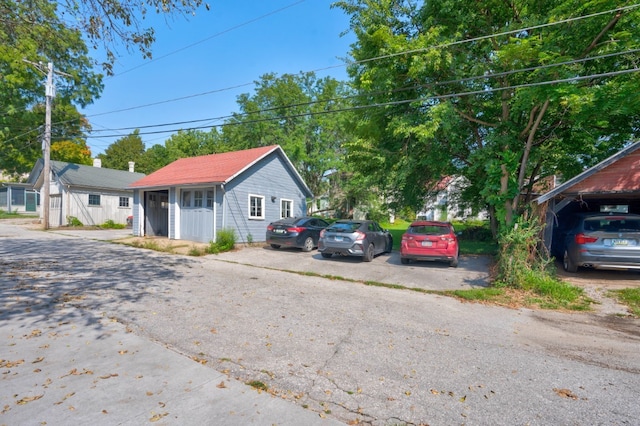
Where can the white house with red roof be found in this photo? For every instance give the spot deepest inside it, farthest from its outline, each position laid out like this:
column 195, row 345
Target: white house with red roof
column 193, row 198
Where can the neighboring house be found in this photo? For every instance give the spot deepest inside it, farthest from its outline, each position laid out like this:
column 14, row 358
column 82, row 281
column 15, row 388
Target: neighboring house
column 91, row 194
column 194, row 198
column 611, row 185
column 18, row 198
column 441, row 206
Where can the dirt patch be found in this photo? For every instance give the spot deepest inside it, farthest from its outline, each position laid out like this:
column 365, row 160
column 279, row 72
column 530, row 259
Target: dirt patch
column 163, row 244
column 597, row 283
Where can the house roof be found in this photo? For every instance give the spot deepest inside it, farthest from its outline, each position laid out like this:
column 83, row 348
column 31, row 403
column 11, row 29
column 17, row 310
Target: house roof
column 622, row 178
column 211, row 169
column 72, row 174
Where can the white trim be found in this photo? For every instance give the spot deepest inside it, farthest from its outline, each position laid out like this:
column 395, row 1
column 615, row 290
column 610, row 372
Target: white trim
column 291, row 205
column 262, row 207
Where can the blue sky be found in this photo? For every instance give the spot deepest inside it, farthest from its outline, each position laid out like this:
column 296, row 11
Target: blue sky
column 231, row 45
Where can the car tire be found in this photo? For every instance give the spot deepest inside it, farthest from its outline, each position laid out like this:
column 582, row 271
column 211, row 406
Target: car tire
column 368, row 255
column 326, row 255
column 389, row 246
column 308, row 244
column 275, row 246
column 404, row 260
column 568, row 264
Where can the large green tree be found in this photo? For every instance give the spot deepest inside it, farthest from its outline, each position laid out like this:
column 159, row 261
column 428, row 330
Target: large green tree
column 503, row 93
column 32, row 31
column 303, row 114
column 127, row 148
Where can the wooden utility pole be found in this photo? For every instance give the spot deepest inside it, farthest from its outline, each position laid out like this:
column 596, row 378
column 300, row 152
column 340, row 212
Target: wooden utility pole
column 46, row 148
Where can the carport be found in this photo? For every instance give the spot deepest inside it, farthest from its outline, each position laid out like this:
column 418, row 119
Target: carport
column 612, row 182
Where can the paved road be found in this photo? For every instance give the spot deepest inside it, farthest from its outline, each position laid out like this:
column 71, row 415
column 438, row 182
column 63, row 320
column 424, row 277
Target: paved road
column 335, row 349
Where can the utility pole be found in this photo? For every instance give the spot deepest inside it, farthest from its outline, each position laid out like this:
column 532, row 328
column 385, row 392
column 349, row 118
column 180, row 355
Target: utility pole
column 50, row 92
column 46, row 148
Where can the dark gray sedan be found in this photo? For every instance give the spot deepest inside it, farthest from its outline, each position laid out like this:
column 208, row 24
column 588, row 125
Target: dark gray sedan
column 301, row 232
column 364, row 238
column 601, row 241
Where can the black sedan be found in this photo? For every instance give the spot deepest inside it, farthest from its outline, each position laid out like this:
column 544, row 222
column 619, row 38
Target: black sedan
column 362, row 238
column 301, row 232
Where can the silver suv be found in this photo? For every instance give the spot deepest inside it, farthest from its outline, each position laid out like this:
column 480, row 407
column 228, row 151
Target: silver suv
column 601, row 241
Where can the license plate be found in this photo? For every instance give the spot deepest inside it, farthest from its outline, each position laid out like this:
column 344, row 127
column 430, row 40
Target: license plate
column 619, row 242
column 338, row 238
column 279, row 231
column 426, row 244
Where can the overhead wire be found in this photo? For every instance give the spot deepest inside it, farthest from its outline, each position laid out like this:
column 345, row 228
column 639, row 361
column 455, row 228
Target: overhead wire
column 414, row 51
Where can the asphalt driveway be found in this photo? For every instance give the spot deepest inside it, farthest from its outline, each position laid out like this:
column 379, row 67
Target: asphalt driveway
column 332, row 348
column 472, row 272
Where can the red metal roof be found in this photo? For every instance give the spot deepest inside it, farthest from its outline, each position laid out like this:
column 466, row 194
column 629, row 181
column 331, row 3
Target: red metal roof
column 213, row 168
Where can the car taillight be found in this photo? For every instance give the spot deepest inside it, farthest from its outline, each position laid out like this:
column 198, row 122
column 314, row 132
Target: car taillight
column 584, row 239
column 270, row 228
column 296, row 229
column 361, row 235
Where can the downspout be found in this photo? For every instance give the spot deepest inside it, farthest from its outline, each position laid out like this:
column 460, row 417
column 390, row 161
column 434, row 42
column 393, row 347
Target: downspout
column 224, row 206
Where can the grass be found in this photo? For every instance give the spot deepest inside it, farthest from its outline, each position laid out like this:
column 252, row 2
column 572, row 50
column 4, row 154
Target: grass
column 468, row 245
column 629, row 297
column 13, row 215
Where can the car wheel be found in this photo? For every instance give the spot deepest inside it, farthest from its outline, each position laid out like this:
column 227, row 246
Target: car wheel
column 326, row 255
column 368, row 255
column 568, row 264
column 404, row 260
column 275, row 246
column 308, row 244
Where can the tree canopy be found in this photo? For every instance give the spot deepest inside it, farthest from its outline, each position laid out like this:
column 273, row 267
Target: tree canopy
column 503, row 93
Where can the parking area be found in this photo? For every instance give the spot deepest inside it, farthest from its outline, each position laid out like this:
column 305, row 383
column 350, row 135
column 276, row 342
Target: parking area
column 472, row 272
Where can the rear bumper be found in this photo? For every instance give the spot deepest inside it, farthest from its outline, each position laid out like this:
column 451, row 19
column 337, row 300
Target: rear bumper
column 354, row 250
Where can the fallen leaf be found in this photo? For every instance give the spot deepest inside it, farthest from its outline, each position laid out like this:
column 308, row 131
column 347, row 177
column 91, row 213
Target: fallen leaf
column 122, row 352
column 157, row 417
column 565, row 393
column 108, row 376
column 221, row 385
column 213, row 330
column 149, row 393
column 463, row 399
column 408, row 393
column 27, row 399
column 435, row 392
column 37, row 360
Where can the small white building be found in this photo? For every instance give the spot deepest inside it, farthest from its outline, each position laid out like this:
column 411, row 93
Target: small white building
column 92, row 195
column 442, row 206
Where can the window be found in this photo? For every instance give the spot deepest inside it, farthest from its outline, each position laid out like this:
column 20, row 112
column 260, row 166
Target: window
column 256, row 207
column 286, row 207
column 197, row 198
column 210, row 199
column 124, row 202
column 94, row 200
column 186, row 198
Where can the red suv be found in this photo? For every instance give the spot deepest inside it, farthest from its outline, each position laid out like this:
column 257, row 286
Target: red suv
column 430, row 240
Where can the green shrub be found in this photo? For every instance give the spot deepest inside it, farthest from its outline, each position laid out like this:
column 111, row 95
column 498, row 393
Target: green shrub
column 73, row 221
column 225, row 241
column 110, row 224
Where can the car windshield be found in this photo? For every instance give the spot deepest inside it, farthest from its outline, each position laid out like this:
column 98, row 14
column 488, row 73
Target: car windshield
column 344, row 227
column 612, row 225
column 429, row 230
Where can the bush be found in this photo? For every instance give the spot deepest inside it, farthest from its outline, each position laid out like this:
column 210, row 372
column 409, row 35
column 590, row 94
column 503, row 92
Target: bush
column 73, row 221
column 110, row 224
column 225, row 241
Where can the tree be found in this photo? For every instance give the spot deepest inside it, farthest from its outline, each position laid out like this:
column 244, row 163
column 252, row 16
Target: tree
column 33, row 31
column 301, row 113
column 118, row 154
column 108, row 24
column 72, row 152
column 503, row 93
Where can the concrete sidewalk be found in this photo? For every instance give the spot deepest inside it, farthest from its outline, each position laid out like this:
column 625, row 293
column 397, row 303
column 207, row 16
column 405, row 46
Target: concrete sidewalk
column 88, row 370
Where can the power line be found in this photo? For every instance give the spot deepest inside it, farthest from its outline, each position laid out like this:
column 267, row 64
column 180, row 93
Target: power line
column 404, row 101
column 406, row 88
